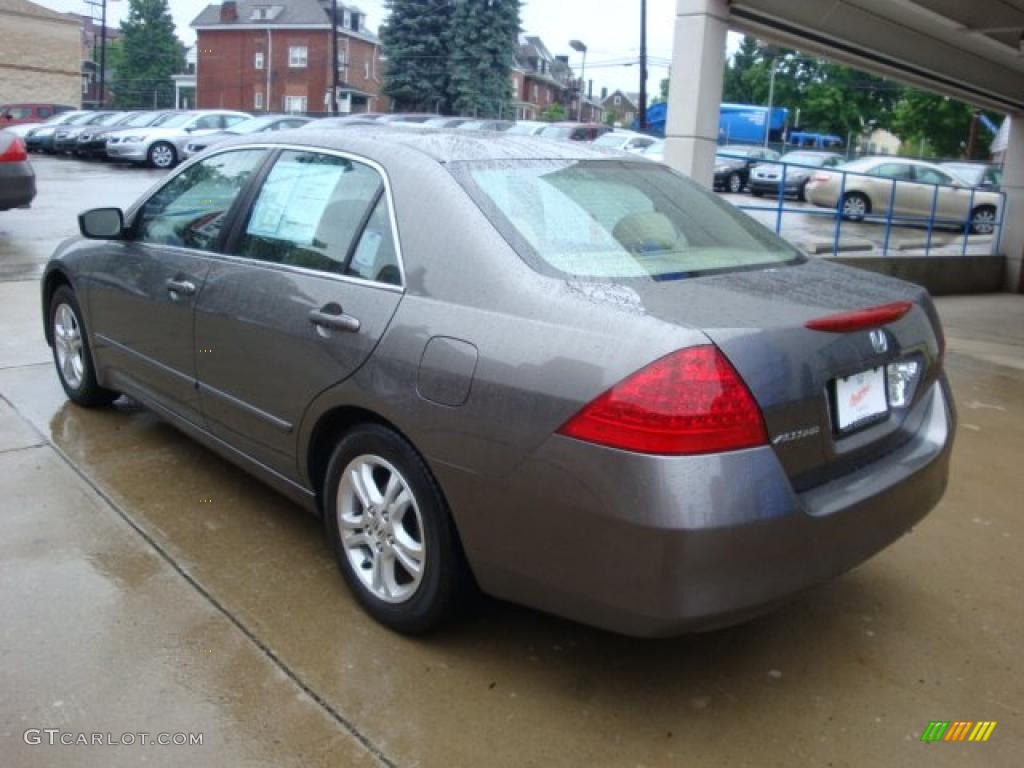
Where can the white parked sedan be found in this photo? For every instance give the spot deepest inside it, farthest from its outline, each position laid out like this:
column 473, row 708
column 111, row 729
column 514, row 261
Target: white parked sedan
column 163, row 146
column 624, row 141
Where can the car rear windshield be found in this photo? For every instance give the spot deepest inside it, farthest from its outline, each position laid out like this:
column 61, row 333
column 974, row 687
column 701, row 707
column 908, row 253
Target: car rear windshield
column 610, row 219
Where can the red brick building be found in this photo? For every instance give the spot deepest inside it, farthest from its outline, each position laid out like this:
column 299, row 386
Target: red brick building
column 274, row 56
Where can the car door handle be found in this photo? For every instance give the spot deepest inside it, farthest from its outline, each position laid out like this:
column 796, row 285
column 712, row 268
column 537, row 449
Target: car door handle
column 181, row 287
column 332, row 318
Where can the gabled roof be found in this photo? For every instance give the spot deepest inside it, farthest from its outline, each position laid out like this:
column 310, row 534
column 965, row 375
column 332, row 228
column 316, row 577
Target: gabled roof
column 285, row 13
column 631, row 96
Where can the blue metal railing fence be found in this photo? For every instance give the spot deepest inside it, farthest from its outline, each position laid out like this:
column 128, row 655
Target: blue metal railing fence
column 826, row 201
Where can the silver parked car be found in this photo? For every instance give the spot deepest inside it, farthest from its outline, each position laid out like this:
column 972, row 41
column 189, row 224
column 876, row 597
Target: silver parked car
column 259, row 124
column 597, row 389
column 624, row 141
column 163, row 146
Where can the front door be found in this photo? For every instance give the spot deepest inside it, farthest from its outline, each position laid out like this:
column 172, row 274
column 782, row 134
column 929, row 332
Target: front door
column 145, row 288
column 311, row 284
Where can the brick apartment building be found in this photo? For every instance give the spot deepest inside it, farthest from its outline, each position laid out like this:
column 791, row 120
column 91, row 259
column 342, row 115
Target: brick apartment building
column 40, row 55
column 274, row 56
column 540, row 80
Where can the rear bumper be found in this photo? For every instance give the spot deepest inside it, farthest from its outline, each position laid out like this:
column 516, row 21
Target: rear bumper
column 17, row 186
column 657, row 546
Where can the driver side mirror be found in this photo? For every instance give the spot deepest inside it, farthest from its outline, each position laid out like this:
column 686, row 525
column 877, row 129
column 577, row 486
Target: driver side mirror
column 102, row 224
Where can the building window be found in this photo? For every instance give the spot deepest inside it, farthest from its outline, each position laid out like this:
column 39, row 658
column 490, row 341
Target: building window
column 346, row 20
column 298, row 56
column 535, row 92
column 258, row 102
column 366, row 69
column 258, row 60
column 618, row 100
column 294, row 104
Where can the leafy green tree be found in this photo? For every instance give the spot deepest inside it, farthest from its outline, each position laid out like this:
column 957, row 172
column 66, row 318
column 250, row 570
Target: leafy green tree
column 937, row 124
column 484, row 36
column 415, row 40
column 554, row 113
column 735, row 88
column 149, row 54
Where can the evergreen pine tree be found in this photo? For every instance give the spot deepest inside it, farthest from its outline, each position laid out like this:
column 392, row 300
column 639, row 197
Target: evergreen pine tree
column 414, row 41
column 149, row 54
column 483, row 38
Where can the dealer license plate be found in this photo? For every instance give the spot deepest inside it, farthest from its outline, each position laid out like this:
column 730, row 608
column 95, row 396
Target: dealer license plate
column 860, row 400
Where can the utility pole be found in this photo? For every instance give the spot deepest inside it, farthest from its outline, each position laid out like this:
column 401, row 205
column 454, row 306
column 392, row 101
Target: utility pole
column 334, row 57
column 642, row 101
column 580, row 47
column 102, row 99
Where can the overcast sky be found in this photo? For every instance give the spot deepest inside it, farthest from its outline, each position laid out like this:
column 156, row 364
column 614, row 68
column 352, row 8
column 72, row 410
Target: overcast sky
column 611, row 32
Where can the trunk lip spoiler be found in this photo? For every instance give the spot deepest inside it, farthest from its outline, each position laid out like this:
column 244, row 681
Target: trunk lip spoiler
column 861, row 319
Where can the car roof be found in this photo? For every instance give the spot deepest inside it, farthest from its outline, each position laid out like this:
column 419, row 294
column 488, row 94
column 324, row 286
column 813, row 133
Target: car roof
column 442, row 145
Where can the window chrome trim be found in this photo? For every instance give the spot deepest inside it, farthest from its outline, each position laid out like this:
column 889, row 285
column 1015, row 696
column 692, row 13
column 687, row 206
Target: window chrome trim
column 399, row 255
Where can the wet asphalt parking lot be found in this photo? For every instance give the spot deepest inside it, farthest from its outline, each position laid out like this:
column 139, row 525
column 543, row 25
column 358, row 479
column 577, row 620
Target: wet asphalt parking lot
column 148, row 586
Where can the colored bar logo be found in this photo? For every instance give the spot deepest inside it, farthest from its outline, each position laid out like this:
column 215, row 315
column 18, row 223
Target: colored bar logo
column 958, row 730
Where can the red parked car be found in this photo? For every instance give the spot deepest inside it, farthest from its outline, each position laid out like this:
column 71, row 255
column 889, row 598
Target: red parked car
column 16, row 114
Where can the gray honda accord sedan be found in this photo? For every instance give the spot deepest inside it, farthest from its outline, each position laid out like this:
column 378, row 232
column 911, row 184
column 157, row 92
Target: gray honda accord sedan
column 572, row 380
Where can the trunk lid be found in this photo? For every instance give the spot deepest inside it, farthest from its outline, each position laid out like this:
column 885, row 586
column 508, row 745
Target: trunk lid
column 757, row 318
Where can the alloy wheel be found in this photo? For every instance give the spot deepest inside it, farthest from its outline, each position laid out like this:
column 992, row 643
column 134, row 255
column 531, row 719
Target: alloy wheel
column 735, row 184
column 162, row 156
column 381, row 528
column 854, row 207
column 983, row 222
column 67, row 336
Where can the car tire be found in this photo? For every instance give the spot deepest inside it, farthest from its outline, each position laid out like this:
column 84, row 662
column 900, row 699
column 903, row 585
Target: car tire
column 381, row 533
column 801, row 193
column 72, row 354
column 983, row 220
column 855, row 206
column 734, row 183
column 162, row 155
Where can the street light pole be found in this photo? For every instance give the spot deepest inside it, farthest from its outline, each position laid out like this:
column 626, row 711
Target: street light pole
column 771, row 102
column 580, row 47
column 334, row 57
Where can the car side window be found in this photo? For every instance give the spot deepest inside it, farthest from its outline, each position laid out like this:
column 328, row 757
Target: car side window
column 374, row 257
column 207, row 122
column 44, row 112
column 228, row 120
column 931, row 176
column 893, row 171
column 189, row 211
column 310, row 210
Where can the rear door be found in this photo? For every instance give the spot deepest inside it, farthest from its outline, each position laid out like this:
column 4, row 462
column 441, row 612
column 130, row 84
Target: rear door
column 145, row 287
column 895, row 188
column 951, row 201
column 312, row 280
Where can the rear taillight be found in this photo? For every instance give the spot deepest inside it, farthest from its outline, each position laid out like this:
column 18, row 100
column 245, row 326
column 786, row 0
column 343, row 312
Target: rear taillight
column 691, row 401
column 860, row 319
column 15, row 152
